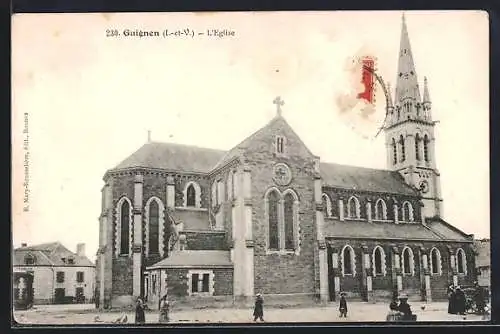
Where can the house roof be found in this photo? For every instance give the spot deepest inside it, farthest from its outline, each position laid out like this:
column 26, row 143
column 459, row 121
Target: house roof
column 368, row 179
column 195, row 259
column 483, row 257
column 171, row 156
column 51, row 254
column 382, row 230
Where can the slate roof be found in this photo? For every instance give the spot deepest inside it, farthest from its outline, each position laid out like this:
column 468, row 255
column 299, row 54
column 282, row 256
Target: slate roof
column 382, row 230
column 50, row 254
column 195, row 259
column 368, row 179
column 483, row 257
column 173, row 157
column 187, row 158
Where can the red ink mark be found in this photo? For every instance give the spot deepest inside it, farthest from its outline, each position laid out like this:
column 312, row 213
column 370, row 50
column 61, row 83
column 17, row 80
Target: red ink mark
column 367, row 80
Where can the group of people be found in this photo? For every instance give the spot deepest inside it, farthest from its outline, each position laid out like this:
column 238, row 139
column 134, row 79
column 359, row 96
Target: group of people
column 140, row 316
column 399, row 309
column 458, row 303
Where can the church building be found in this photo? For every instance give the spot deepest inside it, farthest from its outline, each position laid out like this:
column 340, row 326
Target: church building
column 267, row 216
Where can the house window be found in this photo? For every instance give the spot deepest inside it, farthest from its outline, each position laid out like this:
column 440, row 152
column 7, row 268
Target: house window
column 417, row 146
column 125, row 228
column 348, row 261
column 426, row 148
column 378, row 261
column 403, row 150
column 29, row 260
column 280, row 145
column 201, row 282
column 273, row 206
column 71, row 261
column 408, row 263
column 191, row 196
column 380, row 210
column 60, row 277
column 461, row 261
column 289, row 222
column 394, row 151
column 353, row 210
column 435, row 261
column 79, row 276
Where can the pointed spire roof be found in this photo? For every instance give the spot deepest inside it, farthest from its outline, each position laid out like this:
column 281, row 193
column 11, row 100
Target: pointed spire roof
column 406, row 83
column 426, row 92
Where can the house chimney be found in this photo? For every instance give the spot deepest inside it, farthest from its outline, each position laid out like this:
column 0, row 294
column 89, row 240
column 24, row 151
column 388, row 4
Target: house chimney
column 80, row 249
column 24, row 244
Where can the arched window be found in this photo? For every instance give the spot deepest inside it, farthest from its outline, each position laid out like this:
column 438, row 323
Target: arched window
column 417, row 147
column 353, row 210
column 191, row 196
column 125, row 228
column 426, row 148
column 403, row 150
column 408, row 261
column 380, row 210
column 378, row 259
column 154, row 216
column 407, row 214
column 461, row 261
column 327, row 205
column 435, row 261
column 348, row 261
column 273, row 207
column 289, row 222
column 394, row 152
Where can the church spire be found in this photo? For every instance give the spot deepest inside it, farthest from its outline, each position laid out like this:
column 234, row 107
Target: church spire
column 406, row 83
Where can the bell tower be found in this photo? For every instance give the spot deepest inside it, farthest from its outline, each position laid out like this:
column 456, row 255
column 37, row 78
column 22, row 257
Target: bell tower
column 409, row 132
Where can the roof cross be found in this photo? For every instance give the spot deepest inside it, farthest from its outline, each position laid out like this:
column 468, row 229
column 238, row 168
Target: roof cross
column 278, row 102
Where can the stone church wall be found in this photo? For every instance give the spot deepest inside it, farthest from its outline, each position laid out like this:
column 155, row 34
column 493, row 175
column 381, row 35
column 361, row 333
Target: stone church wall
column 209, row 240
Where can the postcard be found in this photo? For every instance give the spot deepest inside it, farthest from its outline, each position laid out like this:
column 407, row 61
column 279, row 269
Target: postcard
column 248, row 167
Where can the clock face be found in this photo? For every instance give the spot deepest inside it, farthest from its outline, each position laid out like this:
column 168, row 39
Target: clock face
column 424, row 186
column 282, row 174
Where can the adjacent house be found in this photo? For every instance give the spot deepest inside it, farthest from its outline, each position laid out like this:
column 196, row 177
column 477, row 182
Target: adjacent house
column 60, row 276
column 483, row 261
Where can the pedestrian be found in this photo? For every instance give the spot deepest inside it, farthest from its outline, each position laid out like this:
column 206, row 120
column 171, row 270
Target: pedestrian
column 404, row 308
column 451, row 300
column 393, row 314
column 343, row 305
column 140, row 317
column 479, row 298
column 460, row 301
column 258, row 310
column 164, row 309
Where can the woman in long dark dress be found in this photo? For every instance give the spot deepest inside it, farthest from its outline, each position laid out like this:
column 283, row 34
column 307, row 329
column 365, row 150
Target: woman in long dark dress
column 405, row 308
column 258, row 311
column 451, row 300
column 140, row 317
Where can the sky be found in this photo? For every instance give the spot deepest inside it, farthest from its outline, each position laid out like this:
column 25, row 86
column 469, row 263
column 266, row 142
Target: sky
column 90, row 100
